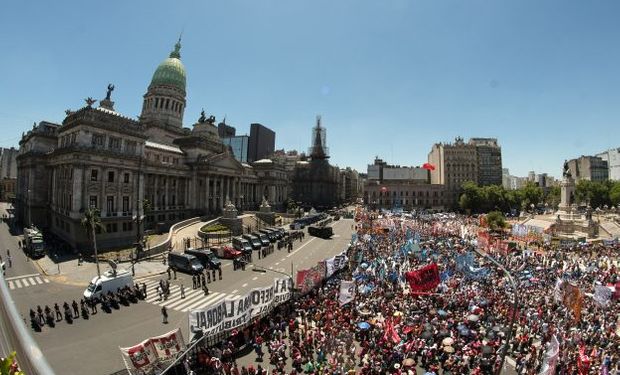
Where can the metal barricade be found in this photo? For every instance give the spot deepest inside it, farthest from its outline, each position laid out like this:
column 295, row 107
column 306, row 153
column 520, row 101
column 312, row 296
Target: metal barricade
column 17, row 337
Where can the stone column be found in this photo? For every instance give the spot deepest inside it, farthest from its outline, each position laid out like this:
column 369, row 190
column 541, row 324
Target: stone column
column 155, row 204
column 207, row 194
column 78, row 180
column 234, row 192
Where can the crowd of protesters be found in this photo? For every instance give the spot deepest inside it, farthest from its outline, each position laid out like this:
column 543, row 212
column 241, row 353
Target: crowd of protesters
column 461, row 326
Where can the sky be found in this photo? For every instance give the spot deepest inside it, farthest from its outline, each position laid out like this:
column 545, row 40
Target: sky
column 390, row 78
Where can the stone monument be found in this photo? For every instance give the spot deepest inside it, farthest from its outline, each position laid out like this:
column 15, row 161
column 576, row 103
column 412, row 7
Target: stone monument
column 569, row 222
column 264, row 213
column 229, row 218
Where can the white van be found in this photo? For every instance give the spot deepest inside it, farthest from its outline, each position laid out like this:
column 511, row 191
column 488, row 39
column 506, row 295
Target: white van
column 108, row 282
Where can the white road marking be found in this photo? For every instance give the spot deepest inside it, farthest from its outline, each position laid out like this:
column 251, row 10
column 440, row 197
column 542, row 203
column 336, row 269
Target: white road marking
column 46, row 280
column 32, row 282
column 244, row 285
column 18, row 283
column 38, row 279
column 255, row 278
column 276, row 263
column 20, row 276
column 211, row 299
column 235, row 291
column 282, row 260
column 11, row 285
column 187, row 301
column 25, row 281
column 301, row 247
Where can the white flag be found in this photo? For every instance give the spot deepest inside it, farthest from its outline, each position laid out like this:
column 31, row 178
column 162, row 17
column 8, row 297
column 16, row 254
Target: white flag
column 347, row 292
column 602, row 295
column 551, row 357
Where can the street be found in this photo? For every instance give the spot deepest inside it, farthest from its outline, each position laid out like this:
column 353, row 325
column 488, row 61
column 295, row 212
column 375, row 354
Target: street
column 93, row 345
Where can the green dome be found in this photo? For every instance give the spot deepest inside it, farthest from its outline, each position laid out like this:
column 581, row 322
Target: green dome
column 171, row 71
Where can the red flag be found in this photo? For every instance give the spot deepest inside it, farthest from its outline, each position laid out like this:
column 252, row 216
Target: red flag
column 423, row 279
column 428, row 167
column 390, row 333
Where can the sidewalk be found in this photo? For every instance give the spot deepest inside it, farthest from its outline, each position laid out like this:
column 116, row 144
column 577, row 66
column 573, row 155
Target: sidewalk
column 68, row 272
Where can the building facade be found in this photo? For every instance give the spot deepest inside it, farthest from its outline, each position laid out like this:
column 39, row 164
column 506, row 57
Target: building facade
column 316, row 182
column 239, row 146
column 8, row 173
column 489, row 160
column 592, row 168
column 479, row 160
column 149, row 172
column 394, row 186
column 262, row 142
column 612, row 157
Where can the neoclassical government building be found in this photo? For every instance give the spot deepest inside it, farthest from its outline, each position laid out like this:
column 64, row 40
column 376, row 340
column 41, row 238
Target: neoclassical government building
column 99, row 158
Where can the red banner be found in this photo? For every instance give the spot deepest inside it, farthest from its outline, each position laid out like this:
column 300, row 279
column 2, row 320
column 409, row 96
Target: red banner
column 423, row 279
column 309, row 279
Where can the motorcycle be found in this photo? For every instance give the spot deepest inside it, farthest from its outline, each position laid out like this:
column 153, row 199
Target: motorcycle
column 84, row 312
column 49, row 319
column 68, row 316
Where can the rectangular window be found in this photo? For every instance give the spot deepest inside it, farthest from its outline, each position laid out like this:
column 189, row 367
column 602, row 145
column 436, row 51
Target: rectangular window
column 124, row 227
column 130, row 147
column 110, row 176
column 70, row 205
column 114, row 144
column 92, row 201
column 130, row 226
column 98, row 140
column 166, row 159
column 126, row 178
column 108, row 228
column 94, row 175
column 110, row 204
column 125, row 204
column 173, row 201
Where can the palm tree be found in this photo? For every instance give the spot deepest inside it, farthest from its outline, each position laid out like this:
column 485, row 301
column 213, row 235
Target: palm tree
column 91, row 223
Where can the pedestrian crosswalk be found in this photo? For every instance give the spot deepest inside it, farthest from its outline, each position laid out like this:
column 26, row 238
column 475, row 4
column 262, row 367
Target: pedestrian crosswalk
column 25, row 281
column 194, row 298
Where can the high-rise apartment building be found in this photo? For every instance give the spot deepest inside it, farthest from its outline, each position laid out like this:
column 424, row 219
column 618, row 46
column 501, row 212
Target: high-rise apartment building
column 591, row 168
column 489, row 160
column 612, row 157
column 478, row 160
column 262, row 142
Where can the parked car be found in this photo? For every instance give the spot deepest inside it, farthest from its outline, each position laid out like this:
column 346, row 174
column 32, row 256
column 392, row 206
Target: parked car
column 254, row 241
column 241, row 244
column 185, row 263
column 227, row 252
column 262, row 237
column 206, row 257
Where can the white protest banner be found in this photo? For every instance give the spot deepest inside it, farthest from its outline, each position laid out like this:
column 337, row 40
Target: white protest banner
column 283, row 289
column 347, row 292
column 231, row 313
column 261, row 300
column 139, row 358
column 168, row 345
column 551, row 357
column 210, row 318
column 602, row 295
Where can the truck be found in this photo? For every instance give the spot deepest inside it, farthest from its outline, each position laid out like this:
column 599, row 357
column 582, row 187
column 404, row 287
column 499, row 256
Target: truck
column 110, row 281
column 34, row 245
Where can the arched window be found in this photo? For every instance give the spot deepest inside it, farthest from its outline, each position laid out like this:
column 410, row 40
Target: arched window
column 167, row 103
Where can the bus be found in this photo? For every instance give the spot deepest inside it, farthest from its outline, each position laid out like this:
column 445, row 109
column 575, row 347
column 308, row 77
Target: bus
column 34, row 246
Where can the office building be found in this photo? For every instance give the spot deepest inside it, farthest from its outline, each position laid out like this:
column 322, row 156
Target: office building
column 262, row 142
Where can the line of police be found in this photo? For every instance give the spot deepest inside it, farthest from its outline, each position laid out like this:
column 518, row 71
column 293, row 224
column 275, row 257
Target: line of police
column 111, row 300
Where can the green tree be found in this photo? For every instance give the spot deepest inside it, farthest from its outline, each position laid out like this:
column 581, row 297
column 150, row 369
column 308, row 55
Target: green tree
column 496, row 220
column 594, row 193
column 471, row 197
column 614, row 193
column 552, row 196
column 8, row 365
column 530, row 194
column 92, row 223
